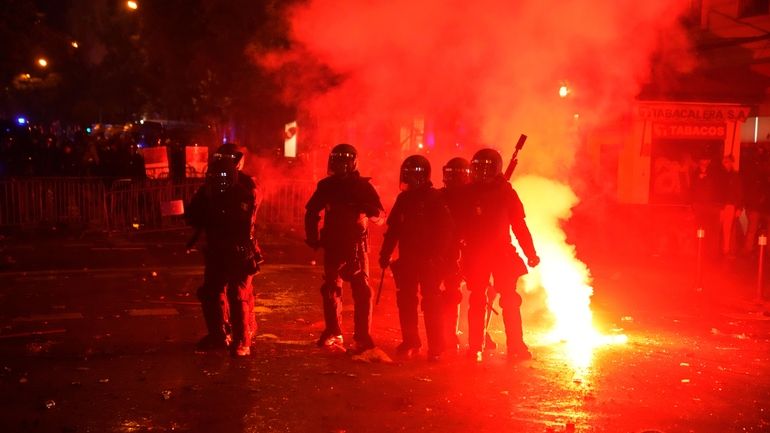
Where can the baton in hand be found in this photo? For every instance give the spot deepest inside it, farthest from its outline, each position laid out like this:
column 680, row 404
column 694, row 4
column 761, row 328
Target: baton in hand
column 379, row 289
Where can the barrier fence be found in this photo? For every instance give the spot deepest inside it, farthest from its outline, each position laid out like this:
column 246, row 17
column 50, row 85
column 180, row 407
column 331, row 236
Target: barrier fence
column 124, row 205
column 29, row 201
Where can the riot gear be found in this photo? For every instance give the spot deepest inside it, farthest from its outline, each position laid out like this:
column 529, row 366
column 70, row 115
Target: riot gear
column 420, row 225
column 486, row 165
column 415, row 173
column 221, row 175
column 346, row 198
column 456, row 172
column 228, row 151
column 456, row 175
column 491, row 211
column 225, row 208
column 342, row 160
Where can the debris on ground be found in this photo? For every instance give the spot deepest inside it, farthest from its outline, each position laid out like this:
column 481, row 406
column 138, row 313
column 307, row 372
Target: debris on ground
column 373, row 355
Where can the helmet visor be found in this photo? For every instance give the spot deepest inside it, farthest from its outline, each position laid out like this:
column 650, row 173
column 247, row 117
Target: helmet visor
column 414, row 177
column 483, row 170
column 456, row 176
column 341, row 163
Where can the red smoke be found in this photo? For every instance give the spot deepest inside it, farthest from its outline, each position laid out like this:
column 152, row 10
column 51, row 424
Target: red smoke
column 480, row 73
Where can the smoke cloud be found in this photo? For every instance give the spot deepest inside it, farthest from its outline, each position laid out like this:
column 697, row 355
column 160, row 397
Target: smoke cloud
column 479, row 73
column 486, row 70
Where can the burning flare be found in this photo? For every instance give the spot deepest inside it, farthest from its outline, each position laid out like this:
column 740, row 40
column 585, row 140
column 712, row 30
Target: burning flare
column 565, row 279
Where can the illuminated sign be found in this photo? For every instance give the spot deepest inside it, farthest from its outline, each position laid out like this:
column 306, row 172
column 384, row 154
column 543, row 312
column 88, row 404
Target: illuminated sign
column 693, row 112
column 290, row 140
column 689, row 130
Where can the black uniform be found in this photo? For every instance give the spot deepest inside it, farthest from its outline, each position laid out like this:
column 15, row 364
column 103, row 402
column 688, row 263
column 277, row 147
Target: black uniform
column 491, row 211
column 452, row 295
column 348, row 200
column 421, row 226
column 226, row 296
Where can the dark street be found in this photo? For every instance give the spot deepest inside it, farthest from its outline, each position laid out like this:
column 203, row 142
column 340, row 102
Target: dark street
column 550, row 216
column 99, row 338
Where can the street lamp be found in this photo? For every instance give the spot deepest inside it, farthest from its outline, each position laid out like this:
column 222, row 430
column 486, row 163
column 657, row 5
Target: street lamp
column 42, row 62
column 74, row 44
column 131, row 4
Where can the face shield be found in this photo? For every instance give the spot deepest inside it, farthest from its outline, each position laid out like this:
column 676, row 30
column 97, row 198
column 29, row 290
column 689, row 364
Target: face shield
column 221, row 175
column 341, row 163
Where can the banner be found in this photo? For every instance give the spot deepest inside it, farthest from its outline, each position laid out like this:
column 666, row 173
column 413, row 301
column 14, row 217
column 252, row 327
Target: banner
column 196, row 160
column 155, row 162
column 290, row 140
column 172, row 208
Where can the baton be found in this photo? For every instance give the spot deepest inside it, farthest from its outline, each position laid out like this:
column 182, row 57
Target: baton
column 490, row 309
column 379, row 289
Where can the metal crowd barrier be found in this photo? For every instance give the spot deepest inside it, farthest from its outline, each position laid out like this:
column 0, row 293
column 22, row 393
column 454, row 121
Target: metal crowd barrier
column 283, row 203
column 30, row 201
column 136, row 206
column 125, row 205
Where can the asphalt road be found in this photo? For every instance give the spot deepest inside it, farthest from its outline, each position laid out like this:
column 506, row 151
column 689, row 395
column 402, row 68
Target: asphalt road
column 98, row 335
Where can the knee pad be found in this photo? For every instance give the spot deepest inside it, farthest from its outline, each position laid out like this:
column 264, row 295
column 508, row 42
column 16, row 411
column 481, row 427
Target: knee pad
column 208, row 294
column 477, row 299
column 510, row 299
column 331, row 290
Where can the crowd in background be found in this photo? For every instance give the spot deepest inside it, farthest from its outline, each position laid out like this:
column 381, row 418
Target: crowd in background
column 735, row 204
column 55, row 150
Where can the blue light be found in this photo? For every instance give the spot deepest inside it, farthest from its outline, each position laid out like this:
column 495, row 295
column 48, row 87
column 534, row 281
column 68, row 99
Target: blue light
column 21, row 120
column 88, row 130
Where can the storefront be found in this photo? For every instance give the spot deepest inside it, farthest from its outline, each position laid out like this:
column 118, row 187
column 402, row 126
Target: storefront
column 666, row 141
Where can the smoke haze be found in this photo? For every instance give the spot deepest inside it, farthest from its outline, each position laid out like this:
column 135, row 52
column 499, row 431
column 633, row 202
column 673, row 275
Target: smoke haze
column 486, row 70
column 480, row 73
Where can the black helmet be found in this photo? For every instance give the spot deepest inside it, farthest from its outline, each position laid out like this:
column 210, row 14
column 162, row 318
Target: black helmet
column 342, row 160
column 486, row 165
column 228, row 151
column 221, row 175
column 415, row 172
column 456, row 172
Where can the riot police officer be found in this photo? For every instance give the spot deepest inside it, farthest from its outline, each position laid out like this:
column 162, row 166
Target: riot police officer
column 420, row 224
column 491, row 211
column 224, row 208
column 456, row 175
column 349, row 201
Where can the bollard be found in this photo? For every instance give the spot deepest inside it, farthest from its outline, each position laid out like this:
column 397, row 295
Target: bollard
column 701, row 233
column 762, row 242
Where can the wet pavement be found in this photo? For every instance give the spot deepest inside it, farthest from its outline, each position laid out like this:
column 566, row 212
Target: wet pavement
column 98, row 335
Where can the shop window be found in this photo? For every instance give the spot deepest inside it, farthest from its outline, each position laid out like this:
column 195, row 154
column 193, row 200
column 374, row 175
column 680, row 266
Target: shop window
column 750, row 8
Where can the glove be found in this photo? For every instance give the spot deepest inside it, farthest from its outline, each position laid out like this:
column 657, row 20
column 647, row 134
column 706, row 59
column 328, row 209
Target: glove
column 533, row 261
column 314, row 244
column 384, row 262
